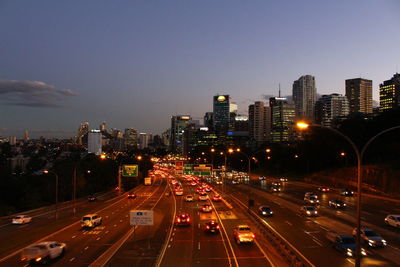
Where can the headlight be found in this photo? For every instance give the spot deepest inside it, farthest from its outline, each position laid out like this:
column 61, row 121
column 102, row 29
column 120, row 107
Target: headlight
column 316, row 212
column 383, row 241
column 264, row 212
column 363, row 252
column 308, row 212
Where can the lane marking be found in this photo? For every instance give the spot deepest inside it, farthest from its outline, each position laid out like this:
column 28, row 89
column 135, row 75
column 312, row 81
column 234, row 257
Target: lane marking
column 73, row 236
column 72, row 259
column 289, row 223
column 86, row 248
column 198, row 245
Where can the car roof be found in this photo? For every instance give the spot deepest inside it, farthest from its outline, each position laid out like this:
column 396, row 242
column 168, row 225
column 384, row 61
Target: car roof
column 90, row 215
column 394, row 215
column 242, row 226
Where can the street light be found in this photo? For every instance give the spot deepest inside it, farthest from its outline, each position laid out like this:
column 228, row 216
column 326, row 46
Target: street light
column 303, row 125
column 47, row 172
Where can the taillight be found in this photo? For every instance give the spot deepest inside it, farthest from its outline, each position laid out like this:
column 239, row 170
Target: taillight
column 179, row 219
column 217, row 226
column 253, row 235
column 188, row 219
column 208, row 227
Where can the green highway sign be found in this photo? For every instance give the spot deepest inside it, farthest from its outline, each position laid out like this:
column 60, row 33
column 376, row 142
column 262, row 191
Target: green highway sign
column 130, row 170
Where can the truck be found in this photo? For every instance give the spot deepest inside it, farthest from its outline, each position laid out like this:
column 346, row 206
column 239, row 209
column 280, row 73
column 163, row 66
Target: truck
column 147, row 181
column 43, row 252
column 344, row 243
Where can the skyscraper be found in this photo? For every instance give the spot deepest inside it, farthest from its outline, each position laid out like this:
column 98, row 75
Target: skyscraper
column 131, row 137
column 282, row 119
column 144, row 140
column 178, row 125
column 389, row 93
column 82, row 131
column 221, row 112
column 94, row 142
column 103, row 126
column 304, row 95
column 359, row 94
column 330, row 107
column 258, row 122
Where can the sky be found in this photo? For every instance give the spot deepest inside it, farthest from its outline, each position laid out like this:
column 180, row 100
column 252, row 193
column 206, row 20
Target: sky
column 134, row 64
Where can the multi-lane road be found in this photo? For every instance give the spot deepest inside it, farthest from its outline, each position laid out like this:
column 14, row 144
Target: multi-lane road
column 116, row 243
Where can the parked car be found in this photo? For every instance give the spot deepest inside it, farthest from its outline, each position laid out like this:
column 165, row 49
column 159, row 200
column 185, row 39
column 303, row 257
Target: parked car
column 393, row 220
column 43, row 252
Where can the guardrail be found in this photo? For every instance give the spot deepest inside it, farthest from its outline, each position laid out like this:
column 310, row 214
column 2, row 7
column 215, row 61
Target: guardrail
column 287, row 250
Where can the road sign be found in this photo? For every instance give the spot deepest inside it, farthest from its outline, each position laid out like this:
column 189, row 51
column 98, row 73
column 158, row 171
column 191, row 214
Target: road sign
column 141, row 217
column 130, row 170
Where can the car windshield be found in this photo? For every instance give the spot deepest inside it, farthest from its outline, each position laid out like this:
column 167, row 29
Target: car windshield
column 309, row 208
column 244, row 228
column 86, row 218
column 348, row 240
column 371, row 233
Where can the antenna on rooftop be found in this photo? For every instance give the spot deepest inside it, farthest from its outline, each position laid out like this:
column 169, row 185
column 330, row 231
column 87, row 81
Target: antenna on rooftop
column 279, row 94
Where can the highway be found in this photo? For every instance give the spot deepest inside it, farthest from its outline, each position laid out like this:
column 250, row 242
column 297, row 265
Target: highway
column 116, row 243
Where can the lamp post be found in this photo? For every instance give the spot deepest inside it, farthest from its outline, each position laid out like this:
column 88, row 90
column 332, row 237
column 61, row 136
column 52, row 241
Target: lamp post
column 55, row 174
column 303, row 126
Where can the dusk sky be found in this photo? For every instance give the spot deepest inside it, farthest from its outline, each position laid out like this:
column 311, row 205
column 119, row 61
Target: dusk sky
column 137, row 63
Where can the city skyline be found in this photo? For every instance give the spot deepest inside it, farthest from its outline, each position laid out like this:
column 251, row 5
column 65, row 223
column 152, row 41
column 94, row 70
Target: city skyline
column 137, row 64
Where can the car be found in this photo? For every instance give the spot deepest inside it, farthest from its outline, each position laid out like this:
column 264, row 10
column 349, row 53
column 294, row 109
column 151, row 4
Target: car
column 203, row 196
column 243, row 234
column 212, row 227
column 307, row 194
column 218, row 182
column 206, row 208
column 193, row 183
column 91, row 198
column 346, row 192
column 116, row 188
column 265, row 211
column 262, row 178
column 182, row 219
column 283, row 179
column 311, row 199
column 178, row 192
column 277, row 184
column 275, row 188
column 309, row 211
column 370, row 237
column 91, row 220
column 21, row 219
column 132, row 195
column 337, row 204
column 208, row 189
column 189, row 198
column 43, row 252
column 216, row 198
column 345, row 244
column 393, row 220
column 324, row 189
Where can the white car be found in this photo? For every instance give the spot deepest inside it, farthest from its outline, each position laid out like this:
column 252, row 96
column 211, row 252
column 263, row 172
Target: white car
column 393, row 220
column 43, row 252
column 203, row 196
column 91, row 220
column 21, row 219
column 309, row 211
column 243, row 234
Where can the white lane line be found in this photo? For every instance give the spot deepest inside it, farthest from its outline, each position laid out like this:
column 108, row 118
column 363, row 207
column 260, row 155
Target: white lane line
column 120, row 221
column 198, row 245
column 73, row 236
column 263, row 252
column 115, row 225
column 171, row 239
column 198, row 225
column 86, row 248
column 98, row 238
column 72, row 259
column 107, row 232
column 317, row 241
column 288, row 223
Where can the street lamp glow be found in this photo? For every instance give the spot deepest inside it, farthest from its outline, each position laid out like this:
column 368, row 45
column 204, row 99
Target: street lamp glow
column 268, row 150
column 103, row 156
column 230, row 150
column 238, row 149
column 46, row 171
column 342, row 154
column 302, row 125
column 202, row 153
column 212, row 150
column 139, row 157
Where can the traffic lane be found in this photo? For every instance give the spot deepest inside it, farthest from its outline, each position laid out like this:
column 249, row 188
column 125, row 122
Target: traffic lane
column 315, row 231
column 246, row 254
column 77, row 238
column 115, row 225
column 298, row 230
column 18, row 236
column 209, row 248
column 142, row 248
column 180, row 246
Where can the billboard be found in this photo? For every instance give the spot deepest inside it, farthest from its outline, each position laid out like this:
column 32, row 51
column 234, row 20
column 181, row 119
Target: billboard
column 198, row 169
column 130, row 170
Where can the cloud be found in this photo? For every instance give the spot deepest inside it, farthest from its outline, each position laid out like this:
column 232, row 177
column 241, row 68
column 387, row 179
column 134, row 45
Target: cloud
column 31, row 93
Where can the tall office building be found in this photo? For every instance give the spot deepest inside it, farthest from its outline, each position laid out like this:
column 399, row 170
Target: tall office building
column 331, row 107
column 103, row 127
column 94, row 142
column 258, row 122
column 389, row 93
column 178, row 125
column 208, row 120
column 131, row 137
column 282, row 119
column 26, row 136
column 304, row 95
column 221, row 112
column 82, row 131
column 359, row 94
column 144, row 140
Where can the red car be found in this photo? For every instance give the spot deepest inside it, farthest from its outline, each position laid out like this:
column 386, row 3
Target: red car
column 131, row 195
column 182, row 219
column 216, row 198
